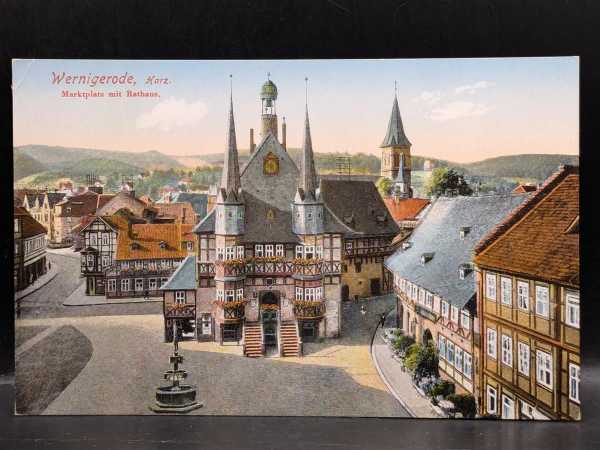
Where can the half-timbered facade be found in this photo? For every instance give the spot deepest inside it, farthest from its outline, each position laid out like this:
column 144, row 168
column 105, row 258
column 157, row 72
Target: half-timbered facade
column 434, row 280
column 30, row 249
column 528, row 295
column 272, row 261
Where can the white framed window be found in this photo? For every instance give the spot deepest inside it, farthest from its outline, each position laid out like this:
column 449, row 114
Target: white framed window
column 454, row 314
column 206, row 324
column 507, row 351
column 415, row 292
column 269, row 251
column 163, row 281
column 279, row 250
column 258, row 250
column 111, row 285
column 239, row 252
column 450, row 350
column 491, row 343
column 429, row 300
column 442, row 346
column 105, row 261
column 574, row 373
column 458, row 358
column 445, row 309
column 492, row 397
column 309, row 294
column 319, row 251
column 240, row 294
column 490, row 286
column 542, row 302
column 105, row 238
column 523, row 295
column 299, row 293
column 229, row 295
column 508, row 408
column 526, row 410
column 90, row 260
column 125, row 284
column 506, row 291
column 189, row 245
column 180, row 297
column 220, row 295
column 229, row 252
column 93, row 239
column 572, row 310
column 309, row 251
column 465, row 320
column 468, row 367
column 220, row 253
column 125, row 265
column 299, row 251
column 152, row 284
column 524, row 355
column 544, row 368
column 421, row 296
column 139, row 284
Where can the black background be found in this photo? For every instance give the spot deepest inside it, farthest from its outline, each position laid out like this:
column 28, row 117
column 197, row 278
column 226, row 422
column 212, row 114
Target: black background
column 129, row 29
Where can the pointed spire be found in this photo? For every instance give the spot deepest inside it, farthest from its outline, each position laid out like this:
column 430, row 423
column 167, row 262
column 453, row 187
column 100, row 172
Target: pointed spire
column 230, row 179
column 395, row 132
column 308, row 176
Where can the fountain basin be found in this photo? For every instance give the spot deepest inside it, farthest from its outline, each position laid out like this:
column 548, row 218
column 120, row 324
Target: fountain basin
column 179, row 399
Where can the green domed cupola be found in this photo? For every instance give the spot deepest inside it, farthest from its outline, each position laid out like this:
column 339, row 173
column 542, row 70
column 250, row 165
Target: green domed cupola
column 268, row 91
column 268, row 97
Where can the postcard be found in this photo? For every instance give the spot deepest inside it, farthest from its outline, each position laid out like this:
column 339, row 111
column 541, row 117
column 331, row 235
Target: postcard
column 351, row 238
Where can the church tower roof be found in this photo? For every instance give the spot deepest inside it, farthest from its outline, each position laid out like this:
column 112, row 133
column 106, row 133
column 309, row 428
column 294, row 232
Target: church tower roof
column 230, row 179
column 395, row 136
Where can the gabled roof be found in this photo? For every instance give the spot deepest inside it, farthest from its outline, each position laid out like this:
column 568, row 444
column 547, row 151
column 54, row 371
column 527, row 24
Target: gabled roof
column 29, row 226
column 359, row 206
column 199, row 201
column 54, row 198
column 395, row 132
column 184, row 278
column 206, row 225
column 439, row 233
column 182, row 211
column 147, row 239
column 80, row 205
column 539, row 239
column 405, row 208
column 103, row 199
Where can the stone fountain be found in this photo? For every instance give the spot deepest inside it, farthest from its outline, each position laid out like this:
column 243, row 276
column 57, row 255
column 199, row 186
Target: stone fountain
column 177, row 397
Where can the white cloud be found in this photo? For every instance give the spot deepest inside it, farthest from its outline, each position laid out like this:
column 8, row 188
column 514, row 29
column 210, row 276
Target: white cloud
column 172, row 113
column 472, row 88
column 456, row 110
column 429, row 97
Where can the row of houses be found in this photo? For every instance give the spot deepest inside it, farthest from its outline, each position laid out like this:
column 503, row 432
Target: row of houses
column 30, row 249
column 493, row 283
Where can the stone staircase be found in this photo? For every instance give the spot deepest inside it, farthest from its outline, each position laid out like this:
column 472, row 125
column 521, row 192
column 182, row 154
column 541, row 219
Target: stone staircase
column 253, row 347
column 290, row 345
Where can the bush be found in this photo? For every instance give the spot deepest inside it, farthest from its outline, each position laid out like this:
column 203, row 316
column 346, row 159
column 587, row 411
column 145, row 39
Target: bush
column 402, row 343
column 411, row 358
column 426, row 363
column 443, row 388
column 398, row 332
column 465, row 404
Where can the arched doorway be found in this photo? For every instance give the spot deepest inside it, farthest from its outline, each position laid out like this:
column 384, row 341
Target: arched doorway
column 345, row 292
column 269, row 308
column 427, row 337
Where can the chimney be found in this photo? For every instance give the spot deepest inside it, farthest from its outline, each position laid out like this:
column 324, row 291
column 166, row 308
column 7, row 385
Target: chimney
column 283, row 130
column 252, row 146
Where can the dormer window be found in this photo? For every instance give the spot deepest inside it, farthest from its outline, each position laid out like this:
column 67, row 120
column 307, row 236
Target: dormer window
column 426, row 257
column 464, row 270
column 162, row 244
column 406, row 245
column 135, row 246
column 464, row 231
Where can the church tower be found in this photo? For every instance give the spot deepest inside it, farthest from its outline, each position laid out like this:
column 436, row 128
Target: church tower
column 268, row 97
column 395, row 144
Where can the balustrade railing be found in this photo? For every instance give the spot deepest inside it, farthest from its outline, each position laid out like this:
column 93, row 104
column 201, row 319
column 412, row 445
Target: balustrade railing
column 175, row 310
column 309, row 309
column 377, row 250
column 235, row 268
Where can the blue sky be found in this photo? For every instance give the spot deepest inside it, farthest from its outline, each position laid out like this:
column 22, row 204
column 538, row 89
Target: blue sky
column 457, row 109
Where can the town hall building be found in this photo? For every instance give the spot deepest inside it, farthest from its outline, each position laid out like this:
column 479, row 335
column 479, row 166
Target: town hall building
column 281, row 249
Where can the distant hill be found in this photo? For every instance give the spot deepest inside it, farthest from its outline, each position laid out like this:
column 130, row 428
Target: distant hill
column 538, row 166
column 25, row 165
column 57, row 158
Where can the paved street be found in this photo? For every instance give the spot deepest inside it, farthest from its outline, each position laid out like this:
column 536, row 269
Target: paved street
column 48, row 300
column 335, row 378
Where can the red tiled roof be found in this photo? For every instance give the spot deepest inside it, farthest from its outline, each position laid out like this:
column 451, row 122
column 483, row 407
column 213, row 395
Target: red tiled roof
column 80, row 205
column 103, row 199
column 524, row 188
column 405, row 208
column 538, row 238
column 177, row 210
column 144, row 242
column 29, row 226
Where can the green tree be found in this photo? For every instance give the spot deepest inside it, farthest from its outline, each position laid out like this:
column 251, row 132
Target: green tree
column 383, row 186
column 444, row 180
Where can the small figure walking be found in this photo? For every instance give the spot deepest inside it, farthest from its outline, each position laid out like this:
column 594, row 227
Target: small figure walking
column 382, row 319
column 146, row 294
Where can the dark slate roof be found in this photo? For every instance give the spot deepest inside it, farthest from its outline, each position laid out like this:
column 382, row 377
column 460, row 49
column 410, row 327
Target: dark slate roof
column 395, row 133
column 359, row 206
column 259, row 228
column 206, row 225
column 55, row 197
column 184, row 278
column 439, row 233
column 198, row 200
column 32, row 197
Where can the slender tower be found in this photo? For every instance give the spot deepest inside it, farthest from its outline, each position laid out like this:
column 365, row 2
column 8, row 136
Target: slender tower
column 268, row 97
column 395, row 144
column 400, row 188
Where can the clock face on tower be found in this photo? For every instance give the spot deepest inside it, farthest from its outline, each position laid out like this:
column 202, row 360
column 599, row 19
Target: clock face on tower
column 271, row 164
